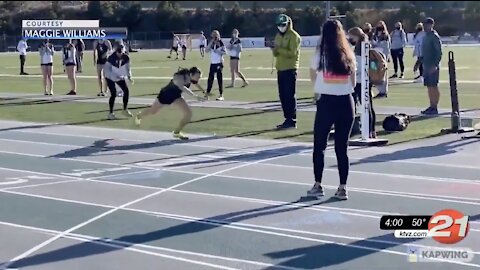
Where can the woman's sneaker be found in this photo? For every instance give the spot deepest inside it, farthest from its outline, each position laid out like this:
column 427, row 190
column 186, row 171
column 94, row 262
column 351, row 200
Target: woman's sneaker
column 127, row 113
column 180, row 135
column 220, row 98
column 341, row 194
column 316, row 191
column 111, row 116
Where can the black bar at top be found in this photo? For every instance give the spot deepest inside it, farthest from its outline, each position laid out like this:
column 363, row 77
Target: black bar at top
column 404, row 222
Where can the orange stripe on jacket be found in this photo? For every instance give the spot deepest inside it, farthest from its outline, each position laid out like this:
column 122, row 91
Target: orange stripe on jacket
column 329, row 77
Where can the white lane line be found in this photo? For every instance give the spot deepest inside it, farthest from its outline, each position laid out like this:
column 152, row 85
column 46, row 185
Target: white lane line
column 92, row 240
column 320, row 208
column 275, row 232
column 231, row 148
column 406, row 176
column 130, row 246
column 378, row 192
column 74, row 228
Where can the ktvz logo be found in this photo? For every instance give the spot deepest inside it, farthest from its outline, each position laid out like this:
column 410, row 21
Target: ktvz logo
column 448, row 226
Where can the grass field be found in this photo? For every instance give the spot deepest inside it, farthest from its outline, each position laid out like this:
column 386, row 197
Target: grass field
column 151, row 70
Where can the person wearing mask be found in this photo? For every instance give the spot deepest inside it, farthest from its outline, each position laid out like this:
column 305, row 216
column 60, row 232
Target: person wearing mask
column 432, row 56
column 333, row 72
column 357, row 37
column 117, row 70
column 171, row 94
column 69, row 62
column 217, row 51
column 399, row 41
column 286, row 50
column 368, row 30
column 101, row 51
column 22, row 47
column 175, row 43
column 235, row 50
column 417, row 51
column 203, row 44
column 80, row 47
column 381, row 42
column 46, row 51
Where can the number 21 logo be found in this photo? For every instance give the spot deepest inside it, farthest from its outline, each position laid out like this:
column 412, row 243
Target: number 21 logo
column 448, row 226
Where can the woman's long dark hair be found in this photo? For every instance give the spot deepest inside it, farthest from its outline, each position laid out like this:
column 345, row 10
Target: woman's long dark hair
column 336, row 56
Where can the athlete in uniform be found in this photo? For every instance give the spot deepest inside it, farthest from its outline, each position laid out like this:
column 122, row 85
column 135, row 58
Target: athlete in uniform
column 101, row 50
column 203, row 43
column 176, row 41
column 172, row 94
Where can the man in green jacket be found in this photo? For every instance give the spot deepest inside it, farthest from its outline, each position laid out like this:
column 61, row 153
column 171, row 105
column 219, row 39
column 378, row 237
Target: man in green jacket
column 286, row 50
column 432, row 55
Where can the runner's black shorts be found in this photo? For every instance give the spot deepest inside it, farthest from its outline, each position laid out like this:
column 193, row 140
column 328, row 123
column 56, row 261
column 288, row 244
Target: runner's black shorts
column 168, row 95
column 175, row 49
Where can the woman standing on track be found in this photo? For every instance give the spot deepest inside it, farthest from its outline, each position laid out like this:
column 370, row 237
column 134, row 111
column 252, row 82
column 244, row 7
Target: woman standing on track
column 333, row 71
column 117, row 69
column 217, row 51
column 358, row 36
column 46, row 52
column 203, row 43
column 101, row 50
column 171, row 94
column 399, row 41
column 235, row 50
column 70, row 63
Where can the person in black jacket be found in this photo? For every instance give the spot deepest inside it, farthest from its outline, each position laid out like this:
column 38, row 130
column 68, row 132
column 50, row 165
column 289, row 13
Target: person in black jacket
column 117, row 69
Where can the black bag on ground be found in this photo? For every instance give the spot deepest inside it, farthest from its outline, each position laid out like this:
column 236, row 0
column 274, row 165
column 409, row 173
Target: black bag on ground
column 396, row 122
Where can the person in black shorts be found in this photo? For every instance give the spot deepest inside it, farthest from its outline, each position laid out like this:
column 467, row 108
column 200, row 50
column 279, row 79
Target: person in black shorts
column 70, row 63
column 203, row 43
column 176, row 41
column 101, row 51
column 171, row 94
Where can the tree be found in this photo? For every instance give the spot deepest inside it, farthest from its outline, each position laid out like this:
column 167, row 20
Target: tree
column 218, row 16
column 234, row 19
column 131, row 14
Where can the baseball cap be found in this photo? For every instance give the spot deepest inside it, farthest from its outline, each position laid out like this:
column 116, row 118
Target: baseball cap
column 429, row 20
column 282, row 19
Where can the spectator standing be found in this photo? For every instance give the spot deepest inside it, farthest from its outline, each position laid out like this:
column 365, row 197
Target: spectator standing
column 399, row 41
column 22, row 47
column 286, row 50
column 432, row 55
column 80, row 46
column 417, row 51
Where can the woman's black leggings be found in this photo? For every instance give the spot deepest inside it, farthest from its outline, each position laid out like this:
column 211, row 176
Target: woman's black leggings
column 113, row 93
column 358, row 100
column 397, row 57
column 215, row 69
column 419, row 65
column 338, row 111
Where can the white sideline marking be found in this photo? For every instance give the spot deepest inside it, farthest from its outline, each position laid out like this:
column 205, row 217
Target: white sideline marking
column 169, row 78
